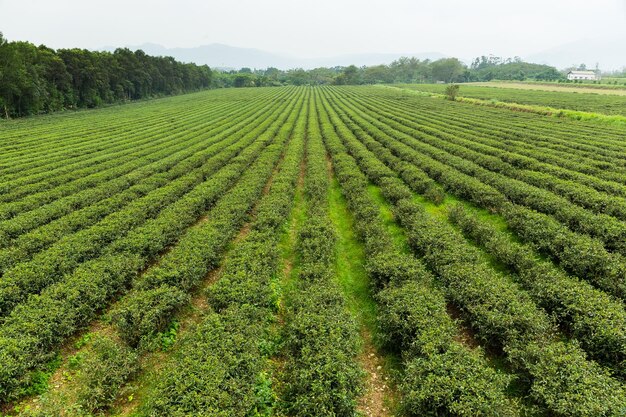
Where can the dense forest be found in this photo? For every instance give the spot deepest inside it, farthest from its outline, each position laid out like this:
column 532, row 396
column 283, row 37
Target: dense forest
column 38, row 79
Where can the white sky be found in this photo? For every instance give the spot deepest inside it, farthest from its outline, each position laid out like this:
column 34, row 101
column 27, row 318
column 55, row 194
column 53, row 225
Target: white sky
column 318, row 27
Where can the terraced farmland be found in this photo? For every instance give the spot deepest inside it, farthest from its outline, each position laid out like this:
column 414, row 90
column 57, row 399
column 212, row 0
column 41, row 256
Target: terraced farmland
column 312, row 251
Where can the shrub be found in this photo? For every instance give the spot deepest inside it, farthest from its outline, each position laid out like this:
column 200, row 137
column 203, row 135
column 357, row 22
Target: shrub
column 452, row 91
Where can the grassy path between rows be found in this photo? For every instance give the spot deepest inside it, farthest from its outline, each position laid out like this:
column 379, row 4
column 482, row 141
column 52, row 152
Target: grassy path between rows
column 379, row 398
column 288, row 276
column 466, row 334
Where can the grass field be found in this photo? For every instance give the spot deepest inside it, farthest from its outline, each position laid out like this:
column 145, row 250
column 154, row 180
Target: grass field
column 607, row 83
column 607, row 102
column 565, row 88
column 314, row 251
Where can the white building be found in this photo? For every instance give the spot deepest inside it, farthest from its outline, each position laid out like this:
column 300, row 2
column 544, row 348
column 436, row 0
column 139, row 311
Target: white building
column 583, row 75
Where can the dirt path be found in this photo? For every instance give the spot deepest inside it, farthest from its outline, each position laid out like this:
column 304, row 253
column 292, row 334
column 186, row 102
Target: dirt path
column 379, row 396
column 374, row 402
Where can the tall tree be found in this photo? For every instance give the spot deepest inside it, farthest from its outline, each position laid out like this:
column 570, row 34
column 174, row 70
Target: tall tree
column 448, row 70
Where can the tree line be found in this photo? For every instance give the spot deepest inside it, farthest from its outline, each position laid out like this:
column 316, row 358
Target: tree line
column 38, row 79
column 403, row 70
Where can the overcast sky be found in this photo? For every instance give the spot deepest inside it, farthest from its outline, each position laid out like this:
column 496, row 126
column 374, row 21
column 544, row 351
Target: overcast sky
column 317, row 27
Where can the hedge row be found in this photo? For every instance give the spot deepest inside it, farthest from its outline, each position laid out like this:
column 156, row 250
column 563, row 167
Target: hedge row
column 321, row 376
column 597, row 142
column 595, row 319
column 560, row 377
column 186, row 148
column 115, row 161
column 593, row 265
column 519, row 156
column 218, row 369
column 149, row 307
column 34, row 329
column 58, row 153
column 145, row 311
column 459, row 158
column 49, row 266
column 25, row 246
column 441, row 376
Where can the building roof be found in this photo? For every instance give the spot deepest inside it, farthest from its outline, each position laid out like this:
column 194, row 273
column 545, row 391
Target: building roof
column 582, row 72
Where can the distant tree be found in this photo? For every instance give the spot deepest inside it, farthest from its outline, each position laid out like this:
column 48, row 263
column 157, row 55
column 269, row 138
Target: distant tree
column 410, row 70
column 448, row 70
column 40, row 79
column 297, row 76
column 352, row 75
column 7, row 74
column 321, row 76
column 513, row 69
column 377, row 74
column 272, row 73
column 244, row 80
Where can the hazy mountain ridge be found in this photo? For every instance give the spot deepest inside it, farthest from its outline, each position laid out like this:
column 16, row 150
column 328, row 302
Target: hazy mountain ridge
column 224, row 56
column 609, row 53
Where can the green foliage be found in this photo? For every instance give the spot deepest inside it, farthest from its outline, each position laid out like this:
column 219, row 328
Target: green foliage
column 413, row 319
column 39, row 79
column 609, row 104
column 321, row 340
column 265, row 398
column 38, row 382
column 454, row 383
column 593, row 317
column 218, row 368
column 435, row 194
column 63, row 307
column 503, row 315
column 214, row 372
column 84, row 339
column 94, row 210
column 495, row 68
column 452, row 91
column 75, row 360
column 447, row 70
column 104, row 367
column 168, row 338
column 144, row 314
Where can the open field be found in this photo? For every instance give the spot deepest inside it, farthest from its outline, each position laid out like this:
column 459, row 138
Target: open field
column 313, row 251
column 565, row 88
column 580, row 101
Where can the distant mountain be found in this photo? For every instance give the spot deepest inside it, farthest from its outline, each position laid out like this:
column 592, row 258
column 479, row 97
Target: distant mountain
column 366, row 59
column 217, row 55
column 609, row 53
column 229, row 57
